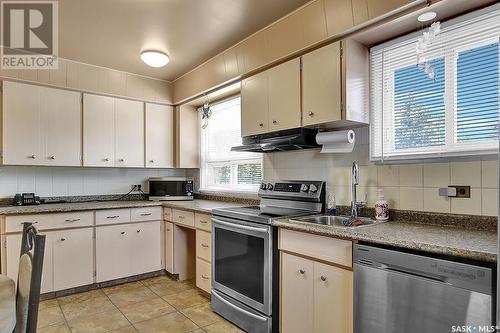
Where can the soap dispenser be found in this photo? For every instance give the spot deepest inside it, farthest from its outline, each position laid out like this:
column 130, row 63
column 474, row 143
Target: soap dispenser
column 381, row 206
column 331, row 205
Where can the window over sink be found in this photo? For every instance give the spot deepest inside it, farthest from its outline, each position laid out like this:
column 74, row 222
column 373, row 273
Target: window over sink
column 450, row 110
column 222, row 169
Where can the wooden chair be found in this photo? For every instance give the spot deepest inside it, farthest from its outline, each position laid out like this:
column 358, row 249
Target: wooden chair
column 29, row 279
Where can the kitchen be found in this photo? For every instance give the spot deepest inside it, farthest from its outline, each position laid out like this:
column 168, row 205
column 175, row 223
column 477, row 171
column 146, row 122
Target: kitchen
column 249, row 166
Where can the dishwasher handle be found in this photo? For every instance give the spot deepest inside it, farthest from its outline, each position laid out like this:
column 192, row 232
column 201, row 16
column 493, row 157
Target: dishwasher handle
column 421, row 275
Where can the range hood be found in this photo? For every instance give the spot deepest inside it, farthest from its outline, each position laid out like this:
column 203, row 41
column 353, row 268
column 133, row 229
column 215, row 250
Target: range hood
column 286, row 140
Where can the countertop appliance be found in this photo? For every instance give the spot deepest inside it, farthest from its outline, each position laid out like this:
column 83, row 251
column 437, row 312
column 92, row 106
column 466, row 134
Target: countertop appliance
column 26, row 199
column 245, row 260
column 291, row 139
column 396, row 291
column 170, row 188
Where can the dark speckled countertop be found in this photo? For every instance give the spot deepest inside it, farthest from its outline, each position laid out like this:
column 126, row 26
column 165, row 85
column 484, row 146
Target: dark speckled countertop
column 439, row 239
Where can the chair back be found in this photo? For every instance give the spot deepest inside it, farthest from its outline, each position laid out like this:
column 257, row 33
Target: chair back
column 29, row 279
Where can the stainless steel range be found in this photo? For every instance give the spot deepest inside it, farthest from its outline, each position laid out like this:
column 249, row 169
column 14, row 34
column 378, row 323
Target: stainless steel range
column 245, row 261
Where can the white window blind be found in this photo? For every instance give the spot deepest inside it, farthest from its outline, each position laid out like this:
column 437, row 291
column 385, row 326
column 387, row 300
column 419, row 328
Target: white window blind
column 454, row 114
column 222, row 169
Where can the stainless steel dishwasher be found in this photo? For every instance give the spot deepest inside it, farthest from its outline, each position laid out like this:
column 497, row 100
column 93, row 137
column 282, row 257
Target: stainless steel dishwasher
column 401, row 292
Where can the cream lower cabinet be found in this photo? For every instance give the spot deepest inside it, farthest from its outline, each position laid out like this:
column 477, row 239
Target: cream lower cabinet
column 315, row 296
column 127, row 249
column 169, row 247
column 68, row 259
column 203, row 252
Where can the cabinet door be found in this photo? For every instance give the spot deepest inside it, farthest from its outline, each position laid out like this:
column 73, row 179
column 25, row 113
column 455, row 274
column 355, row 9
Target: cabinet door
column 98, row 131
column 62, row 123
column 13, row 251
column 379, row 7
column 284, row 96
column 321, row 87
column 169, row 247
column 254, row 105
column 22, row 139
column 333, row 305
column 73, row 258
column 159, row 136
column 146, row 247
column 113, row 252
column 296, row 294
column 129, row 133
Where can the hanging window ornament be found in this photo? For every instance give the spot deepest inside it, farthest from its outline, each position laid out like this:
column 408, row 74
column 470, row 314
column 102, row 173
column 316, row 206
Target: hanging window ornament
column 206, row 113
column 423, row 44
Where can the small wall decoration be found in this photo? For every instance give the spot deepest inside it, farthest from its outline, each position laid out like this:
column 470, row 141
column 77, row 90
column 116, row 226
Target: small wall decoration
column 206, row 113
column 423, row 45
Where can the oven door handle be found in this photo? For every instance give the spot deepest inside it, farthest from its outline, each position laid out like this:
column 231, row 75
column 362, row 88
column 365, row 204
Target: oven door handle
column 248, row 313
column 241, row 226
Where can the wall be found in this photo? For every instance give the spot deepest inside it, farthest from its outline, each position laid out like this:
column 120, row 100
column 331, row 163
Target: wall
column 67, row 181
column 406, row 186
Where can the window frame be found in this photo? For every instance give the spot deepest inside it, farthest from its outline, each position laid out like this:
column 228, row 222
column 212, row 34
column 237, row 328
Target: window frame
column 382, row 129
column 233, row 163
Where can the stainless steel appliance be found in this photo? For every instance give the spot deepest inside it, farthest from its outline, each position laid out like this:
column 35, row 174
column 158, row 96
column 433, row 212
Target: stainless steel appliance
column 170, row 188
column 402, row 292
column 291, row 139
column 245, row 261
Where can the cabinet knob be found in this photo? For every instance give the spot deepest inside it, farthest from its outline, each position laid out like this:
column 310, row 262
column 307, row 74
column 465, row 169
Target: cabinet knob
column 63, row 239
column 151, row 161
column 32, row 157
column 275, row 122
column 138, row 230
column 106, row 159
column 311, row 114
column 121, row 160
column 52, row 157
column 301, row 271
column 261, row 124
column 123, row 232
column 323, row 278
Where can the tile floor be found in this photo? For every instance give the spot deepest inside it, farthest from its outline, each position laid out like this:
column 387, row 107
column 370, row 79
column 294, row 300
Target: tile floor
column 159, row 305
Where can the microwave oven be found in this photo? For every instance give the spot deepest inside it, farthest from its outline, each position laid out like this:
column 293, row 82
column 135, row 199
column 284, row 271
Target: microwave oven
column 170, row 188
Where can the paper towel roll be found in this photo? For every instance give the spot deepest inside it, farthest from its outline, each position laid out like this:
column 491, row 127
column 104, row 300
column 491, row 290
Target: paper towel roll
column 337, row 141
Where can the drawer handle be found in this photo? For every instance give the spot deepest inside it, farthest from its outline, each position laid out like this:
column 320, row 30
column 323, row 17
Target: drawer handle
column 32, row 222
column 123, row 232
column 203, row 221
column 204, row 277
column 204, row 245
column 113, row 217
column 323, row 278
column 275, row 122
column 63, row 239
column 72, row 220
column 146, row 214
column 181, row 217
column 301, row 271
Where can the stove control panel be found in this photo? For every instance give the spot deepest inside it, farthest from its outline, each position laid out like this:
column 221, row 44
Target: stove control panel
column 291, row 188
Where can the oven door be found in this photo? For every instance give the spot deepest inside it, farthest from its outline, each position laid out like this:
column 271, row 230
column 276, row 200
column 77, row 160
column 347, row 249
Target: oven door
column 242, row 262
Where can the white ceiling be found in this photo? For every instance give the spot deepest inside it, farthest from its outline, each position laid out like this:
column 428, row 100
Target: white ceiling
column 112, row 33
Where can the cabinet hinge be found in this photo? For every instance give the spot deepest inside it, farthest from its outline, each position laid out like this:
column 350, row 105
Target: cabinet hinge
column 301, row 65
column 341, row 51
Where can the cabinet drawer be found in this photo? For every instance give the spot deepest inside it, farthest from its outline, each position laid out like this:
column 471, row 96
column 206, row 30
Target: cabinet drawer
column 333, row 250
column 203, row 221
column 183, row 217
column 112, row 216
column 145, row 214
column 167, row 214
column 49, row 221
column 203, row 275
column 204, row 245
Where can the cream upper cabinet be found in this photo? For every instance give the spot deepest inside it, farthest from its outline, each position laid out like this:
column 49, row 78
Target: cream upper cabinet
column 129, row 133
column 254, row 104
column 98, row 131
column 321, row 85
column 41, row 126
column 159, row 136
column 22, row 137
column 380, row 7
column 297, row 275
column 284, row 96
column 62, row 124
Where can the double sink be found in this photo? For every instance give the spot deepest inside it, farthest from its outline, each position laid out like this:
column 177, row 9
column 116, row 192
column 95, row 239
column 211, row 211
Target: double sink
column 337, row 221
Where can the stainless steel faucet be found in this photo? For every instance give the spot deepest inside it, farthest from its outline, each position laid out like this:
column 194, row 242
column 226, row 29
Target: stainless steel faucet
column 354, row 182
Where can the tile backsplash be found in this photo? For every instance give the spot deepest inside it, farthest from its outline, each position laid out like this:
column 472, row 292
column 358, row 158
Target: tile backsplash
column 405, row 186
column 74, row 181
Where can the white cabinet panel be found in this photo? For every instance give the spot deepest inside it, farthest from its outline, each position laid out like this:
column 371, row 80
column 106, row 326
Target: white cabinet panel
column 22, row 137
column 98, row 131
column 169, row 247
column 113, row 252
column 62, row 123
column 129, row 133
column 159, row 136
column 146, row 244
column 73, row 258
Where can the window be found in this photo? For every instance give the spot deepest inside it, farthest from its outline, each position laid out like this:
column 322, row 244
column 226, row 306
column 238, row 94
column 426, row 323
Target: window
column 222, row 169
column 453, row 114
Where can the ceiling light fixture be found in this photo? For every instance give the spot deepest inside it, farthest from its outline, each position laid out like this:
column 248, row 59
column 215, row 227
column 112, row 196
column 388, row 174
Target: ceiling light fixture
column 155, row 58
column 427, row 16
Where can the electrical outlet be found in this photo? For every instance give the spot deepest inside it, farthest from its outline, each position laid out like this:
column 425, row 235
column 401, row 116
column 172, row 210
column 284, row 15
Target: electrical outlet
column 462, row 191
column 136, row 187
